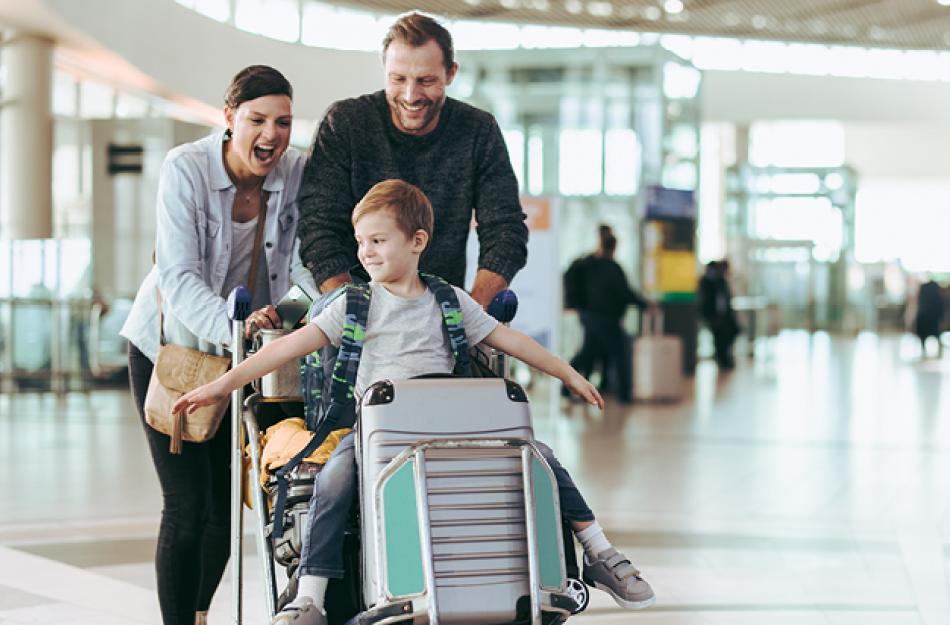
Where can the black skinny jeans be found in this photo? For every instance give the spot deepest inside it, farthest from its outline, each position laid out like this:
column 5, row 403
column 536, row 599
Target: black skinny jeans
column 194, row 535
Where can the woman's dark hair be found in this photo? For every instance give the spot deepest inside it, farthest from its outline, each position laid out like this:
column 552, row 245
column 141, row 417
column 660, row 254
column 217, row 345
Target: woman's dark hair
column 417, row 29
column 254, row 82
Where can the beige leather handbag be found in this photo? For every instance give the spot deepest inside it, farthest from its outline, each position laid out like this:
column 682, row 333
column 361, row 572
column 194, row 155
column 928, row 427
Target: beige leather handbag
column 179, row 370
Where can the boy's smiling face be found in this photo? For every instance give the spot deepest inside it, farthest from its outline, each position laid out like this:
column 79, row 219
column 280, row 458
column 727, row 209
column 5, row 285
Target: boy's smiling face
column 387, row 254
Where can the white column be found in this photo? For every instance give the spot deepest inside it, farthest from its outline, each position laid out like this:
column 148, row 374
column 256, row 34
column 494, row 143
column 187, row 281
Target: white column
column 26, row 139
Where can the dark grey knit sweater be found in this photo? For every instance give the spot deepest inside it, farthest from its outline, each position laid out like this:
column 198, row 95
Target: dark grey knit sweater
column 462, row 166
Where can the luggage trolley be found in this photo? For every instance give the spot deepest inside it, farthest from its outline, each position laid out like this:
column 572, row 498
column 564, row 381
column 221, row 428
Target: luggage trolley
column 459, row 519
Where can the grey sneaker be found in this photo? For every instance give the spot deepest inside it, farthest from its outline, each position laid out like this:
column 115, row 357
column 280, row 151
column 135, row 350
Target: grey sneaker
column 613, row 573
column 306, row 614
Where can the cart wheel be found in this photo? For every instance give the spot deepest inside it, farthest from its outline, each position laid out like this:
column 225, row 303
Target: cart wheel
column 579, row 592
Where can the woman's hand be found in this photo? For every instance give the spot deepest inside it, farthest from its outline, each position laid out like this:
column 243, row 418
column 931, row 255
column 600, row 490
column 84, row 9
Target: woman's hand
column 207, row 395
column 264, row 319
column 583, row 389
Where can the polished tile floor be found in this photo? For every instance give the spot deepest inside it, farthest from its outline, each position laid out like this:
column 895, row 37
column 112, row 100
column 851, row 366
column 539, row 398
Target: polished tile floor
column 810, row 486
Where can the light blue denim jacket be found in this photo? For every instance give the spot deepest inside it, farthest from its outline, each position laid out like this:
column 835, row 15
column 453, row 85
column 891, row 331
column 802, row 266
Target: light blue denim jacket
column 193, row 247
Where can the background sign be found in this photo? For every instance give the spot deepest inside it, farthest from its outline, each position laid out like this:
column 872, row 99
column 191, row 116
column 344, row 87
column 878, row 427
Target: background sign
column 538, row 285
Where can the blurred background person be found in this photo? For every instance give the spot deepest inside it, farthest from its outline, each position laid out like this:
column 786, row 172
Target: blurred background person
column 929, row 318
column 715, row 306
column 597, row 287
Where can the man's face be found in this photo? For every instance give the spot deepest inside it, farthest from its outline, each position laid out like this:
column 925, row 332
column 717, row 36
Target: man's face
column 416, row 78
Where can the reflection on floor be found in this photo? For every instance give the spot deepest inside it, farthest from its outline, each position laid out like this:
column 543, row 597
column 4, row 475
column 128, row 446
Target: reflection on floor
column 811, row 485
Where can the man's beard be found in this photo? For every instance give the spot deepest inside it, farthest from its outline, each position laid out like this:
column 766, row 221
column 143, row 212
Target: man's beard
column 432, row 109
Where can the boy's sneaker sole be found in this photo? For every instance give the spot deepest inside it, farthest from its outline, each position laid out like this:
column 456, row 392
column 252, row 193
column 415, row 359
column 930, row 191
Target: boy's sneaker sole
column 630, row 605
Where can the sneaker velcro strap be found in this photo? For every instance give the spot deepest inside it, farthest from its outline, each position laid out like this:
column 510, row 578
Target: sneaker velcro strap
column 621, row 567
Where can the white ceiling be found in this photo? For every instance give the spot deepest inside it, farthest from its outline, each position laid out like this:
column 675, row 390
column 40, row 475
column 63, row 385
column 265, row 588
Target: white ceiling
column 911, row 24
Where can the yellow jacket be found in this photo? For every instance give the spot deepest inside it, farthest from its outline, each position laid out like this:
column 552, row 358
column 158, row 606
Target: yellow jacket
column 284, row 440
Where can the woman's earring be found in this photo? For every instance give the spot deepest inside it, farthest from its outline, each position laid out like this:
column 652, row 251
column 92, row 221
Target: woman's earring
column 228, row 133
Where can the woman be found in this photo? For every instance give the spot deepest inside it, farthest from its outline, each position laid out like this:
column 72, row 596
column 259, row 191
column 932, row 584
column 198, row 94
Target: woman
column 211, row 195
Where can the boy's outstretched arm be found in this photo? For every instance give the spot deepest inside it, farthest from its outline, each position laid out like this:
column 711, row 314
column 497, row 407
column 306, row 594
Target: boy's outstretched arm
column 523, row 347
column 297, row 344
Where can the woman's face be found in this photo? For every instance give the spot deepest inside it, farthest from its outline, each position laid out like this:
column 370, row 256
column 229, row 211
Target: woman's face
column 260, row 132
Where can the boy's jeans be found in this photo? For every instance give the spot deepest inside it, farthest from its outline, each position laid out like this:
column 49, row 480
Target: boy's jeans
column 334, row 491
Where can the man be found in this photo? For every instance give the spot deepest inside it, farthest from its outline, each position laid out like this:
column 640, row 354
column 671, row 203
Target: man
column 715, row 305
column 600, row 292
column 410, row 130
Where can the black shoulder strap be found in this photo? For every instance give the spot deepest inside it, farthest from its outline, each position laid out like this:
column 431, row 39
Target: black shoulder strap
column 340, row 412
column 452, row 318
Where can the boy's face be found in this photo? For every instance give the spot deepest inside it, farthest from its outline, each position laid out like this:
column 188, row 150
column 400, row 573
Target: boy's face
column 384, row 250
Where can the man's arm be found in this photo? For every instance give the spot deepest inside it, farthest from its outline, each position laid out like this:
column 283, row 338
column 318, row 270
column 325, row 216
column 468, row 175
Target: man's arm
column 325, row 203
column 502, row 233
column 334, row 282
column 487, row 285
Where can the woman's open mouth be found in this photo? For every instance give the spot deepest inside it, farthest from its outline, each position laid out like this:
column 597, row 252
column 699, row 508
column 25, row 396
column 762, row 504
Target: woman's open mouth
column 264, row 154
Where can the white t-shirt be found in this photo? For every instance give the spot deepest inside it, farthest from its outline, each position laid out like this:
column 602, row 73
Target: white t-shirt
column 242, row 242
column 405, row 337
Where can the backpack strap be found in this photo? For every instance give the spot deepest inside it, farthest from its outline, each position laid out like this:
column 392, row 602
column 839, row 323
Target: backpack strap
column 340, row 410
column 452, row 319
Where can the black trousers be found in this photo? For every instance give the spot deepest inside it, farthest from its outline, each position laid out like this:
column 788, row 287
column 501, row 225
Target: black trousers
column 606, row 346
column 194, row 535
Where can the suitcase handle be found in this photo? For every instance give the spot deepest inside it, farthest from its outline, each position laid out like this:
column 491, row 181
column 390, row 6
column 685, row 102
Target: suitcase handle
column 652, row 321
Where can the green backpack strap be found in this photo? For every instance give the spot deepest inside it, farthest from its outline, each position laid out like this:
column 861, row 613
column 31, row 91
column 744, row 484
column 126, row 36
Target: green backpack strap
column 452, row 319
column 340, row 410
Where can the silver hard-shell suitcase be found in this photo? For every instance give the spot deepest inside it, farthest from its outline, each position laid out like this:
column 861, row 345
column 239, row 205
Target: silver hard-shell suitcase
column 460, row 514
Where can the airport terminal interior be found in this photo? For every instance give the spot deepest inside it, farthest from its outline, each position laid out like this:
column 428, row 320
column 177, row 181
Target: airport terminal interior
column 805, row 479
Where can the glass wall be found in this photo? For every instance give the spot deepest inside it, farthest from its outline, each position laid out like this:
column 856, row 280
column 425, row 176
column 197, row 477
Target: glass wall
column 790, row 213
column 60, row 311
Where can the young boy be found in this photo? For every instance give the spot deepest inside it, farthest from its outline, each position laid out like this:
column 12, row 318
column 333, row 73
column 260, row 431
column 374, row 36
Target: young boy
column 404, row 338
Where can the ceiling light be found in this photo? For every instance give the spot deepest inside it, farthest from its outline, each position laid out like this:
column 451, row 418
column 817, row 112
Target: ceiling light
column 731, row 19
column 652, row 13
column 675, row 6
column 759, row 22
column 599, row 8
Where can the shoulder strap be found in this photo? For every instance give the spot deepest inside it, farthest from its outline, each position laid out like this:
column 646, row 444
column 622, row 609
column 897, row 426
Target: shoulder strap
column 340, row 410
column 452, row 319
column 258, row 243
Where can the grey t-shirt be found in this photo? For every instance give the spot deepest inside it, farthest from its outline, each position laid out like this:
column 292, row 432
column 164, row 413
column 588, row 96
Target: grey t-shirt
column 405, row 337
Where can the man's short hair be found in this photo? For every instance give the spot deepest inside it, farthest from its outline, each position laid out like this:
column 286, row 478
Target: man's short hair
column 417, row 29
column 407, row 204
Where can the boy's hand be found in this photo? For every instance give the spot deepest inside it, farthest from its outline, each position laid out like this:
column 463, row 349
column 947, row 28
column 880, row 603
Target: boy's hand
column 210, row 393
column 584, row 389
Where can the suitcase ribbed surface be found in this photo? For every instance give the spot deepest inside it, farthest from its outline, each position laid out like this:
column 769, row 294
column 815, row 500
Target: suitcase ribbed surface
column 476, row 513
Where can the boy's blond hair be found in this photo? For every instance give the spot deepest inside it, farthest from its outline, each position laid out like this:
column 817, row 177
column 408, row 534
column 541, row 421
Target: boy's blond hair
column 407, row 204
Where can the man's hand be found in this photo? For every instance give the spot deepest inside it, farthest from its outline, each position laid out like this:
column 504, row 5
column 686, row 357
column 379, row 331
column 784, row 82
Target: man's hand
column 335, row 282
column 487, row 285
